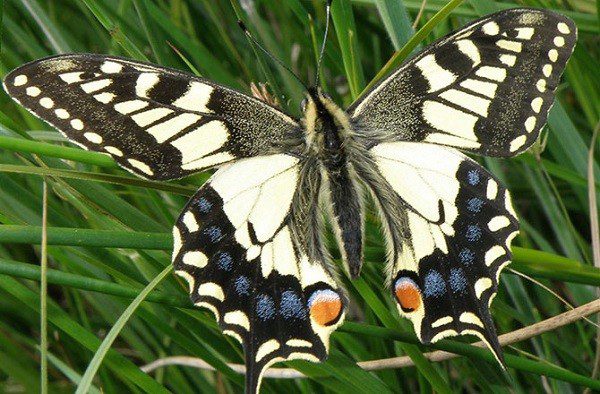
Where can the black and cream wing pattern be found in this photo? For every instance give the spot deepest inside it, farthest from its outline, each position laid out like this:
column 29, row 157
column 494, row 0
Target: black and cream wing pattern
column 486, row 89
column 156, row 122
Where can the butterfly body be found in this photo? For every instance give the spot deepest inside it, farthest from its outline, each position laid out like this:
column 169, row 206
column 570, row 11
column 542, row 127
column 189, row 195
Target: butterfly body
column 249, row 244
column 332, row 141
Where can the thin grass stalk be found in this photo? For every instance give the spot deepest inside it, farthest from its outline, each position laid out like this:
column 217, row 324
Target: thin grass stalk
column 595, row 234
column 96, row 177
column 44, row 294
column 419, row 14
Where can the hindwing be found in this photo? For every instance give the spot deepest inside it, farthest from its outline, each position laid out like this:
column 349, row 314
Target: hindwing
column 486, row 88
column 236, row 244
column 157, row 122
column 449, row 225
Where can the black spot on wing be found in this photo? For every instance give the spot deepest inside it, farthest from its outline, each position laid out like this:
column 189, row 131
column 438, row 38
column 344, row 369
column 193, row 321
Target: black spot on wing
column 168, row 89
column 453, row 60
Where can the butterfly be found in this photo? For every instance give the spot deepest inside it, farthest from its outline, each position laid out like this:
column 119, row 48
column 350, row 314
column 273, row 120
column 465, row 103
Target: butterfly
column 250, row 242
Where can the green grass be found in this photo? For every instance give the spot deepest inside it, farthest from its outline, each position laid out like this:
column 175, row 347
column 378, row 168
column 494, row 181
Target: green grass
column 109, row 233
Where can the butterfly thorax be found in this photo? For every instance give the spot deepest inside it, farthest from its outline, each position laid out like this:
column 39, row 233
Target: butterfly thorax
column 329, row 137
column 327, row 129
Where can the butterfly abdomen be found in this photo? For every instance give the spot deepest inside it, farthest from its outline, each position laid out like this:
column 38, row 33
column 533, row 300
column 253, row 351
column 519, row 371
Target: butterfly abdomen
column 347, row 207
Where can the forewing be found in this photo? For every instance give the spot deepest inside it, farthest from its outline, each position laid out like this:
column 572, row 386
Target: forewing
column 235, row 244
column 486, row 88
column 157, row 122
column 449, row 225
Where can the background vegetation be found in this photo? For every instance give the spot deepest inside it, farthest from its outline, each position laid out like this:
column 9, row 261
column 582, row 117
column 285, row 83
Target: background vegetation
column 109, row 233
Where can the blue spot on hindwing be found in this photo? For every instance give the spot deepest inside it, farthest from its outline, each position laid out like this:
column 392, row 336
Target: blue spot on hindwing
column 474, row 204
column 265, row 307
column 466, row 256
column 204, row 205
column 214, row 233
column 242, row 285
column 458, row 281
column 473, row 233
column 291, row 306
column 473, row 177
column 434, row 284
column 224, row 261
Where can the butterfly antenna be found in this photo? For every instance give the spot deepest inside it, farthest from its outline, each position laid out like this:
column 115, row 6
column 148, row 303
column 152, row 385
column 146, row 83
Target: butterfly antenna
column 322, row 52
column 271, row 56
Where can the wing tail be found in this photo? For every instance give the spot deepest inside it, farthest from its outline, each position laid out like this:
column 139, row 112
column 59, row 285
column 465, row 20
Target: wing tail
column 254, row 371
column 490, row 336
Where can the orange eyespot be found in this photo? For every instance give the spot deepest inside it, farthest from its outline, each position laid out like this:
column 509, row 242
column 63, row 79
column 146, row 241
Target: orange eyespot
column 408, row 294
column 325, row 307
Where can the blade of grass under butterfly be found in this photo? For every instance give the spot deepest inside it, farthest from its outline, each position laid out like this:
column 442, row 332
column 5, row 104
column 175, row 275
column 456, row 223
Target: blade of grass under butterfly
column 87, row 237
column 61, row 320
column 86, row 379
column 53, row 150
column 32, row 272
column 529, row 261
column 92, row 176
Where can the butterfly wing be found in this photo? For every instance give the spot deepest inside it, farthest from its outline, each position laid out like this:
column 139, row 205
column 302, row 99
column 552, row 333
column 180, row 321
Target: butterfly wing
column 240, row 243
column 156, row 122
column 486, row 88
column 449, row 224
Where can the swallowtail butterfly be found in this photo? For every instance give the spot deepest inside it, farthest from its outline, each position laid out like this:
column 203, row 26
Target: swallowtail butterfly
column 249, row 242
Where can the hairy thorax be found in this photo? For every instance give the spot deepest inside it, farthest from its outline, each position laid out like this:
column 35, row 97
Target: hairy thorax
column 328, row 131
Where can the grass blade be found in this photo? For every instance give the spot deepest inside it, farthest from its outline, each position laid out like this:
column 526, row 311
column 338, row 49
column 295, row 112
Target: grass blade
column 86, row 379
column 396, row 21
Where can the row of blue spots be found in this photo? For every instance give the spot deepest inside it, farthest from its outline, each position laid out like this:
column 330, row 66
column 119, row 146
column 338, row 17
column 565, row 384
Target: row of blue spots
column 474, row 204
column 435, row 285
column 214, row 233
column 473, row 233
column 225, row 261
column 204, row 205
column 466, row 256
column 265, row 307
column 242, row 285
column 458, row 281
column 291, row 305
column 473, row 177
